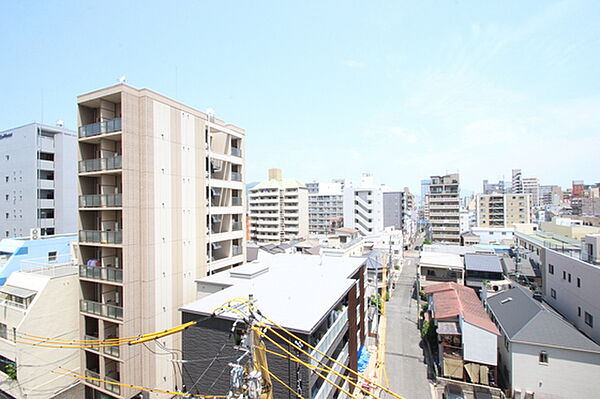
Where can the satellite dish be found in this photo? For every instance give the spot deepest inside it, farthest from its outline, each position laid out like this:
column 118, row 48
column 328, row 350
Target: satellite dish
column 122, row 79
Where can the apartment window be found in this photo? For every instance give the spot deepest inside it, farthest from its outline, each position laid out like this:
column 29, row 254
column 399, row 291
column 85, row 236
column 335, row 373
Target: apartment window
column 564, row 275
column 52, row 256
column 578, row 282
column 550, row 269
column 544, row 357
column 569, row 277
column 553, row 293
column 589, row 319
column 3, row 331
column 578, row 311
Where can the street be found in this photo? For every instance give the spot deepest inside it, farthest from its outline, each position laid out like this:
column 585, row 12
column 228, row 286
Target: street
column 404, row 357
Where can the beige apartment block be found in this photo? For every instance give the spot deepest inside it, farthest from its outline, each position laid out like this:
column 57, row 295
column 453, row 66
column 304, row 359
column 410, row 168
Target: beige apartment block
column 278, row 210
column 503, row 210
column 444, row 209
column 160, row 204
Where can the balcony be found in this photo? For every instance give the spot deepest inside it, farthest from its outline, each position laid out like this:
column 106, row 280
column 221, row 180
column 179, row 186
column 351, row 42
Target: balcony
column 46, row 203
column 116, row 389
column 236, row 250
column 45, row 184
column 101, row 309
column 93, row 374
column 236, row 226
column 100, row 164
column 236, row 176
column 236, row 201
column 326, row 387
column 95, row 129
column 101, row 237
column 101, row 273
column 330, row 336
column 101, row 201
column 45, row 165
column 236, row 152
column 112, row 351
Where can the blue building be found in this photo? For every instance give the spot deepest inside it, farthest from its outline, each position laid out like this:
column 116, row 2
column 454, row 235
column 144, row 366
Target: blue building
column 16, row 253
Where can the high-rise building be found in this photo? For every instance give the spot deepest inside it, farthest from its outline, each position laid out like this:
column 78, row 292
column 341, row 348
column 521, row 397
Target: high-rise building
column 161, row 204
column 325, row 205
column 517, row 181
column 444, row 208
column 278, row 210
column 424, row 190
column 38, row 180
column 526, row 185
column 503, row 210
column 397, row 208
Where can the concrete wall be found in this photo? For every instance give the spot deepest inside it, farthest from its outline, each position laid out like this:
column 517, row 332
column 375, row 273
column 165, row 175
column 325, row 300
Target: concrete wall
column 479, row 344
column 569, row 296
column 568, row 374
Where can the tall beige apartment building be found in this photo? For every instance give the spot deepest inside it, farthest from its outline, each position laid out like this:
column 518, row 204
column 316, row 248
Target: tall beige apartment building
column 503, row 210
column 278, row 210
column 160, row 204
column 444, row 209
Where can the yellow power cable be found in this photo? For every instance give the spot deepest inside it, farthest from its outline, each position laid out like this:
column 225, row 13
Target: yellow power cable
column 324, row 377
column 153, row 390
column 281, row 382
column 249, row 304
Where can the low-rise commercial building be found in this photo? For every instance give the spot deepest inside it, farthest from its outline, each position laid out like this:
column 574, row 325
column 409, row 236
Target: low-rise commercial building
column 320, row 299
column 540, row 354
column 467, row 338
column 435, row 267
column 480, row 268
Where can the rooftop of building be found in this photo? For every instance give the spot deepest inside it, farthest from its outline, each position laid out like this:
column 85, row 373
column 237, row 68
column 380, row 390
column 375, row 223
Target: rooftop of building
column 525, row 319
column 441, row 259
column 456, row 249
column 550, row 240
column 48, row 128
column 451, row 300
column 483, row 263
column 296, row 291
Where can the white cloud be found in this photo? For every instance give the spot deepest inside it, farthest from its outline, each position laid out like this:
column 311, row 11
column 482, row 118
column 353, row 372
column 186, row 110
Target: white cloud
column 355, row 64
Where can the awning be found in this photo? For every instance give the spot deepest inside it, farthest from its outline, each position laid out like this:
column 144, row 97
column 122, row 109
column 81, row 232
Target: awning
column 17, row 291
column 448, row 328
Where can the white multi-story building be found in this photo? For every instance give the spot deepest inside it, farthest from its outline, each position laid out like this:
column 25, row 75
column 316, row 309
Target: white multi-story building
column 325, row 205
column 161, row 204
column 526, row 185
column 38, row 180
column 278, row 210
column 363, row 205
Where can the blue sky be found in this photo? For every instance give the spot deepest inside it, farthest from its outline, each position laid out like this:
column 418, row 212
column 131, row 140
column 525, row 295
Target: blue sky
column 332, row 88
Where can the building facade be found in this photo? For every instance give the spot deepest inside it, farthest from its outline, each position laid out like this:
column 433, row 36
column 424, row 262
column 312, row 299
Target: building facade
column 503, row 210
column 278, row 210
column 160, row 204
column 38, row 180
column 444, row 209
column 363, row 205
column 325, row 205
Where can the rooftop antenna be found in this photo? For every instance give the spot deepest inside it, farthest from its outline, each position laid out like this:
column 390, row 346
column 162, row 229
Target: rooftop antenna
column 122, row 79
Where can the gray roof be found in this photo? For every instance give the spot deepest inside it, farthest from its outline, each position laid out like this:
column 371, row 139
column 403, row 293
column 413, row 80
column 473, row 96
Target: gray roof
column 524, row 319
column 17, row 291
column 483, row 262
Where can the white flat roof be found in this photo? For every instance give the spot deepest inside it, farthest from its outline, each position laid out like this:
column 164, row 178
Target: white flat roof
column 441, row 259
column 294, row 290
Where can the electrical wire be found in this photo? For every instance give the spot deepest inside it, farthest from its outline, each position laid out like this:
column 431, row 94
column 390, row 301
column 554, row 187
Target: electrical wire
column 281, row 382
column 153, row 390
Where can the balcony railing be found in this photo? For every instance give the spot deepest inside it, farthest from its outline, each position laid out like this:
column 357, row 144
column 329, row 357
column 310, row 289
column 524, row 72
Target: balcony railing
column 101, row 201
column 236, row 201
column 112, row 351
column 236, row 176
column 101, row 273
column 330, row 336
column 94, row 129
column 236, row 152
column 101, row 309
column 236, row 226
column 116, row 389
column 236, row 250
column 91, row 338
column 326, row 387
column 101, row 237
column 99, row 164
column 93, row 374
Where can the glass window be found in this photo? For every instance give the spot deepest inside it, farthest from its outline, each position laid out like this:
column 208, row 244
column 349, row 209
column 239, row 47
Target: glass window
column 589, row 319
column 544, row 357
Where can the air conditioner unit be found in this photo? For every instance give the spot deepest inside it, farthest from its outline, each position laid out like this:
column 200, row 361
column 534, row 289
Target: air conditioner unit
column 35, row 233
